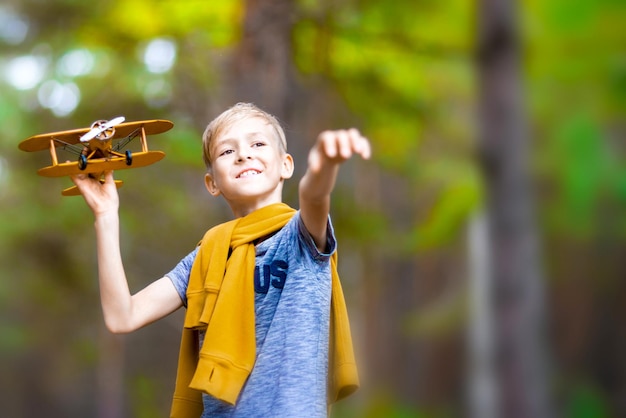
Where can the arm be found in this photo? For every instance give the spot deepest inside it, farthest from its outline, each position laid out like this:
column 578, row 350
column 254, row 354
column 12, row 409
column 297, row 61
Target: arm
column 122, row 311
column 330, row 150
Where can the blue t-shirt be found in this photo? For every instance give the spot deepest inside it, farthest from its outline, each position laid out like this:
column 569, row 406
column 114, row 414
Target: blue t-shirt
column 292, row 282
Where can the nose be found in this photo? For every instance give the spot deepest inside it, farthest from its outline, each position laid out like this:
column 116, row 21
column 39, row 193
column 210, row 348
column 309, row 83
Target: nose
column 244, row 153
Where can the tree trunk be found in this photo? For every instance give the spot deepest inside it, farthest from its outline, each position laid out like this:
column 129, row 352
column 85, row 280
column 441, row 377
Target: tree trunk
column 517, row 292
column 263, row 70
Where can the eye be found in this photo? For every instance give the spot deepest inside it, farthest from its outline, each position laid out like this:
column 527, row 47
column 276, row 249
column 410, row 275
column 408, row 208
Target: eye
column 226, row 152
column 258, row 144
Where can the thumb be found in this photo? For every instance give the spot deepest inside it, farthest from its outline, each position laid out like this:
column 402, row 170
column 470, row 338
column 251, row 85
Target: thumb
column 108, row 177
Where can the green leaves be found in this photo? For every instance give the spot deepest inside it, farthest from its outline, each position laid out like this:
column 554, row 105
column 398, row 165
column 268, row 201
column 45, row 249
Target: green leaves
column 144, row 19
column 587, row 176
column 447, row 217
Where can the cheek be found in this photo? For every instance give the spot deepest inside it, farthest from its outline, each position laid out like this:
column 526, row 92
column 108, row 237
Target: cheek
column 217, row 174
column 219, row 168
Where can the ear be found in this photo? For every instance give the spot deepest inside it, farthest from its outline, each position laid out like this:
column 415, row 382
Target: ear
column 288, row 166
column 210, row 185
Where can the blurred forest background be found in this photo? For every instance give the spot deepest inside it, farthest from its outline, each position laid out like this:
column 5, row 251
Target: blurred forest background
column 414, row 255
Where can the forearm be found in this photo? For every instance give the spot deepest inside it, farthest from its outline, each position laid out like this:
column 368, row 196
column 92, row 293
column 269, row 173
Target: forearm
column 316, row 186
column 114, row 292
column 314, row 194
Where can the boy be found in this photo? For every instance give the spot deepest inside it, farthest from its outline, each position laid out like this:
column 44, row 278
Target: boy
column 262, row 335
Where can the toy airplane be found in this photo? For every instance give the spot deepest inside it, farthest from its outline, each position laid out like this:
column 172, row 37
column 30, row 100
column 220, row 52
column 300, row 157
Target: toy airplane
column 98, row 148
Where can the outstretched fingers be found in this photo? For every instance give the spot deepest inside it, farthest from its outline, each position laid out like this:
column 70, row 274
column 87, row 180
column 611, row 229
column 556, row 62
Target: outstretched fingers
column 343, row 144
column 335, row 147
column 359, row 144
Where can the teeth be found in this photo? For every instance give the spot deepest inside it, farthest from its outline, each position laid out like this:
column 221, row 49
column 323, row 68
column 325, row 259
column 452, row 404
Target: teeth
column 249, row 173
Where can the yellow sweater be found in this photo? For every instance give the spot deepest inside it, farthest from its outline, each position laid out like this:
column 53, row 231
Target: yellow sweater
column 220, row 300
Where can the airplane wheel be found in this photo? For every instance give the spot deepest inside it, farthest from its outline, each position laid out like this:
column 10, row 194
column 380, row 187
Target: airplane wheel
column 82, row 162
column 129, row 157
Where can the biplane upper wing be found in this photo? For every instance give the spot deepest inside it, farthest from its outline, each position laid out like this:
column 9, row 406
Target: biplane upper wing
column 42, row 142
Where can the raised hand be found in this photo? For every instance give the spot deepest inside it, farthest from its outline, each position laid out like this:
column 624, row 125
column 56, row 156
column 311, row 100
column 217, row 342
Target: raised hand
column 335, row 147
column 102, row 198
column 330, row 150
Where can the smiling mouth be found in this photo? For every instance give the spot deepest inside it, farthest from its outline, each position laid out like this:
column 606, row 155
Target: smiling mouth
column 248, row 173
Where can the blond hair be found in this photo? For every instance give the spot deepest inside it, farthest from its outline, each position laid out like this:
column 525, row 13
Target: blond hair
column 236, row 113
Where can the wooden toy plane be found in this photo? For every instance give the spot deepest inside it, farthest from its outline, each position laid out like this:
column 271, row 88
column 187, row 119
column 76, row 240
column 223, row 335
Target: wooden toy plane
column 99, row 148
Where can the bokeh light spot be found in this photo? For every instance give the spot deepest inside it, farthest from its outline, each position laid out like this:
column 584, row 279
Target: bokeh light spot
column 25, row 72
column 159, row 55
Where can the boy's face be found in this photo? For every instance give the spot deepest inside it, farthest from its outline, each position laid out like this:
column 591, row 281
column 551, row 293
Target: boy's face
column 248, row 166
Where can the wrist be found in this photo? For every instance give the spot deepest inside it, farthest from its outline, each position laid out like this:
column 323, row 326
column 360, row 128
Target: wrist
column 106, row 218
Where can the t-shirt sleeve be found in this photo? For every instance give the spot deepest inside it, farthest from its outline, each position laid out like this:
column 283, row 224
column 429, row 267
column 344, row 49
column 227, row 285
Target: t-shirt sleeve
column 180, row 275
column 309, row 243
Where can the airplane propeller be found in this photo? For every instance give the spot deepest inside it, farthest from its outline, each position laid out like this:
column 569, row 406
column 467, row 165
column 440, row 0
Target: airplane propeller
column 99, row 127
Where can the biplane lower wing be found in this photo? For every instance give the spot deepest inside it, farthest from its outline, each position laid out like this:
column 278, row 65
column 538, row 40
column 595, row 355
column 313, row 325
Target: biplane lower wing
column 99, row 165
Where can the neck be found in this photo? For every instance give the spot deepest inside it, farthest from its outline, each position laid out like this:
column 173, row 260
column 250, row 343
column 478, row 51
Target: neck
column 243, row 207
column 241, row 210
